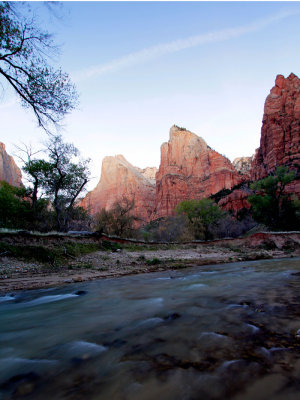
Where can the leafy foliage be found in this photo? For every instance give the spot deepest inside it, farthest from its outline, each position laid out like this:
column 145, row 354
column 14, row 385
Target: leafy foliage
column 271, row 205
column 202, row 215
column 14, row 209
column 61, row 179
column 24, row 64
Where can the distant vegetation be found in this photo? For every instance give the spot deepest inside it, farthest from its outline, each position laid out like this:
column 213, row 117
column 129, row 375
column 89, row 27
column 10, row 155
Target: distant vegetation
column 118, row 221
column 50, row 204
column 271, row 205
column 197, row 220
column 55, row 182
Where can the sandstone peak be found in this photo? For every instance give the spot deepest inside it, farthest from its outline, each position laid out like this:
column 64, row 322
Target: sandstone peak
column 190, row 169
column 121, row 179
column 177, row 131
column 116, row 158
column 149, row 173
column 280, row 133
column 9, row 171
column 243, row 165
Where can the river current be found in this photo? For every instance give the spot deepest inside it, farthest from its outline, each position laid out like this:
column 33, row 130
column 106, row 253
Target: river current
column 228, row 331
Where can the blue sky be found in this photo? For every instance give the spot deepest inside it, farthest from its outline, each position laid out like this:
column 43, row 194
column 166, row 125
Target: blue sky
column 140, row 67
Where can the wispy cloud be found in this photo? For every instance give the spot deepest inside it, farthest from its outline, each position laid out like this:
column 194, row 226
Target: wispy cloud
column 162, row 49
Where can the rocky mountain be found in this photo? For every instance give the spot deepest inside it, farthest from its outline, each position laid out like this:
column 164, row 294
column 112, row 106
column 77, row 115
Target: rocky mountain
column 120, row 179
column 9, row 171
column 280, row 132
column 243, row 165
column 279, row 143
column 190, row 169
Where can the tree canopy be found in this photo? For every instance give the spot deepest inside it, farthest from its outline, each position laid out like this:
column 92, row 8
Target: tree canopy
column 202, row 215
column 61, row 177
column 24, row 64
column 271, row 205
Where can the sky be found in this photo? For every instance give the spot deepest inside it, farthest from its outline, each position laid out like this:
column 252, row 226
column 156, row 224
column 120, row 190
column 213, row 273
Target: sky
column 140, row 67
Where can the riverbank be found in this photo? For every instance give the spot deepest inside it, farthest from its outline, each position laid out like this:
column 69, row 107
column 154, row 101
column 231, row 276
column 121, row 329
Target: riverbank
column 132, row 258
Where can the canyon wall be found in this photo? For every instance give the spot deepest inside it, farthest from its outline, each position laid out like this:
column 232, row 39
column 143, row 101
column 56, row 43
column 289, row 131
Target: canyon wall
column 243, row 165
column 9, row 171
column 279, row 143
column 190, row 169
column 280, row 132
column 120, row 179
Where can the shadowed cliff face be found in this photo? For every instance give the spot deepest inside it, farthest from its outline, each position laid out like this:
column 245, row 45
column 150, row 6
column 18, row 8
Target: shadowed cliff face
column 190, row 169
column 280, row 133
column 9, row 171
column 120, row 179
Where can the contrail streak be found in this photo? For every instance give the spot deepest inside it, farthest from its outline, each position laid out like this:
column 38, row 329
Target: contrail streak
column 162, row 49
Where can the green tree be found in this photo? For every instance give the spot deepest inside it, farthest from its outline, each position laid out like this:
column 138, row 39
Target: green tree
column 202, row 215
column 61, row 178
column 15, row 210
column 25, row 52
column 271, row 205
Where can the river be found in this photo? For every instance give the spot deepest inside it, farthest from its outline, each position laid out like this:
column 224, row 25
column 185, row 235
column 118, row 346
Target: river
column 216, row 332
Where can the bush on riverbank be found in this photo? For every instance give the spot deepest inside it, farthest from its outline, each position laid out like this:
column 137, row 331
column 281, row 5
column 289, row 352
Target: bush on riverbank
column 46, row 251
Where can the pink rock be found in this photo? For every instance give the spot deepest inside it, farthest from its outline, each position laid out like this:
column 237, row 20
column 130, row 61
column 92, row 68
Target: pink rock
column 190, row 169
column 280, row 133
column 9, row 171
column 120, row 179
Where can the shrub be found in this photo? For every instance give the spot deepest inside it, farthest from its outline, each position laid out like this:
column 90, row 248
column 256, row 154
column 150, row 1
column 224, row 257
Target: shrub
column 202, row 216
column 118, row 221
column 271, row 205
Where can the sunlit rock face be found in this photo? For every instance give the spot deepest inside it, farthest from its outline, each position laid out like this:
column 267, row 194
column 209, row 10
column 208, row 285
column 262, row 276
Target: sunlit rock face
column 279, row 143
column 280, row 133
column 243, row 165
column 190, row 169
column 9, row 171
column 120, row 179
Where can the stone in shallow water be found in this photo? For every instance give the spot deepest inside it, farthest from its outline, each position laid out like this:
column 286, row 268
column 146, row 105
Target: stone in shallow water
column 22, row 384
column 81, row 292
column 172, row 317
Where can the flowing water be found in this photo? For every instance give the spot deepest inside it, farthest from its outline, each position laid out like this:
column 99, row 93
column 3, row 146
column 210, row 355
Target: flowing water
column 227, row 331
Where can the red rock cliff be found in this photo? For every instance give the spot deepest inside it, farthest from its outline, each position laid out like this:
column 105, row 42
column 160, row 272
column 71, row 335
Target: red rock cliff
column 121, row 179
column 243, row 165
column 280, row 133
column 190, row 169
column 9, row 171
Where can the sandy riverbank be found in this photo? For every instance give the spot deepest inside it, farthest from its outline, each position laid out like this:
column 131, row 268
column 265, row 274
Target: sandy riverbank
column 23, row 275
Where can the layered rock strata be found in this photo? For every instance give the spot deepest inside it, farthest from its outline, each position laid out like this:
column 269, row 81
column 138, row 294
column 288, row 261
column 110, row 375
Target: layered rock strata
column 243, row 165
column 280, row 133
column 9, row 171
column 236, row 201
column 119, row 180
column 190, row 169
column 279, row 143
